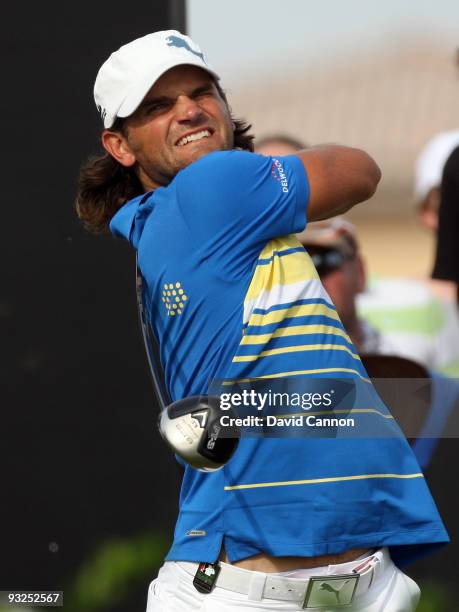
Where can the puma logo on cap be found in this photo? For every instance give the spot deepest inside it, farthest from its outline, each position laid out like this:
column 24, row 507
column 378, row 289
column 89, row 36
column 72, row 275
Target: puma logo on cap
column 180, row 43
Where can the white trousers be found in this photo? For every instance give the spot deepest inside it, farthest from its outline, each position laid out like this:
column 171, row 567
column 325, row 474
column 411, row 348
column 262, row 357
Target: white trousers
column 173, row 591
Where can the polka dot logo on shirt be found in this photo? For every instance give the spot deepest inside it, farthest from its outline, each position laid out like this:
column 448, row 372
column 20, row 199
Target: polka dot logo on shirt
column 174, row 298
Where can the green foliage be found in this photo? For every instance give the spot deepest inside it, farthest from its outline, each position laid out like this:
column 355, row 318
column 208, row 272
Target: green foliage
column 435, row 597
column 115, row 567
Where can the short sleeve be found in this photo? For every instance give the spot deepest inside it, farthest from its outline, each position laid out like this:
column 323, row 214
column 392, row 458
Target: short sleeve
column 233, row 202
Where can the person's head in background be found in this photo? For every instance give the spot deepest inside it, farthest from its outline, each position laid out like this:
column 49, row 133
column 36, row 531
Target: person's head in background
column 279, row 144
column 446, row 262
column 334, row 250
column 428, row 175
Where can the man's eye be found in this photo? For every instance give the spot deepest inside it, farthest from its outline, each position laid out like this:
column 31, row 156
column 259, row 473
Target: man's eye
column 205, row 92
column 156, row 107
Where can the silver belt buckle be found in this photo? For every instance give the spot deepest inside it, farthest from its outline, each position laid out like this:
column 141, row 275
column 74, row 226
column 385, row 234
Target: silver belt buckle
column 331, row 591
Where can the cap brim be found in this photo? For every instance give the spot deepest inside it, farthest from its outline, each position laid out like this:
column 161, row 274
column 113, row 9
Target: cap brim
column 138, row 93
column 334, row 242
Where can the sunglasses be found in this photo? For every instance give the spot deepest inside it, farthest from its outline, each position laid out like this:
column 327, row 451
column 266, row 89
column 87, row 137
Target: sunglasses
column 327, row 260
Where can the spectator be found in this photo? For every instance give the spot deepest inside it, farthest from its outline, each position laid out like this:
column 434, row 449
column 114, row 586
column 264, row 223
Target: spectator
column 428, row 173
column 447, row 255
column 393, row 316
column 334, row 250
column 279, row 144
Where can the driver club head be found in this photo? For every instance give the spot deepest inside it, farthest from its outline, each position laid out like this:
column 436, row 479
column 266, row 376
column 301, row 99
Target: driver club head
column 192, row 428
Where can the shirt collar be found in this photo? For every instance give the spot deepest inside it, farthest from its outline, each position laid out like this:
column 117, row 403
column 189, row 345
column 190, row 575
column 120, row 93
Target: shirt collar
column 129, row 220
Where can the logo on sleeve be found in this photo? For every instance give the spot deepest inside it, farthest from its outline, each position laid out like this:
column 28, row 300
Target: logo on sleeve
column 277, row 171
column 174, row 298
column 102, row 111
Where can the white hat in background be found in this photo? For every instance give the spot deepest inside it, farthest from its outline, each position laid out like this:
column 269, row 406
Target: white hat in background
column 336, row 233
column 127, row 76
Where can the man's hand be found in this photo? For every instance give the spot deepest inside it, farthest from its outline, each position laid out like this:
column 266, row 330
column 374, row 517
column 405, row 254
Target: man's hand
column 339, row 178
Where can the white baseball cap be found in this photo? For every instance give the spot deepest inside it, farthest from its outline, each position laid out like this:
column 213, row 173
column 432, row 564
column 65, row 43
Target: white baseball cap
column 126, row 77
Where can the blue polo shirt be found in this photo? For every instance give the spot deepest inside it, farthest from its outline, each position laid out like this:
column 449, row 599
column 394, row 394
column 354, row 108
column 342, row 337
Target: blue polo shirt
column 232, row 295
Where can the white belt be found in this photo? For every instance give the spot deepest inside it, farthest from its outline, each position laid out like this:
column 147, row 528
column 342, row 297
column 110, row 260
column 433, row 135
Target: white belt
column 354, row 579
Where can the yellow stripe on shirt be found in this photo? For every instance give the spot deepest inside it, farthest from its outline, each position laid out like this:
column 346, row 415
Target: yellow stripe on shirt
column 346, row 411
column 296, row 373
column 287, row 483
column 283, row 270
column 294, row 330
column 295, row 349
column 276, row 316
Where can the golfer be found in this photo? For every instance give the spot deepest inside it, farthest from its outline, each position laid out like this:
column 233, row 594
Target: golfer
column 288, row 523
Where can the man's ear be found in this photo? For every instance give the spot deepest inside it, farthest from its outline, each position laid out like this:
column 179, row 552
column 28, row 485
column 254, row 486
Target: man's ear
column 117, row 146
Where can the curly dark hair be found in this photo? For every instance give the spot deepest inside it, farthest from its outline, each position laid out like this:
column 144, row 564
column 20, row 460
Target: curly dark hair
column 104, row 185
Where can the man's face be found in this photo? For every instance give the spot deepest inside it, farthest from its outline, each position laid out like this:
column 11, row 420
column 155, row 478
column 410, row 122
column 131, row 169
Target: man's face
column 182, row 118
column 342, row 282
column 343, row 286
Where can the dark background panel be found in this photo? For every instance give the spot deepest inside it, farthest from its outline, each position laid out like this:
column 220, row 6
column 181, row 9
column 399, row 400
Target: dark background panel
column 81, row 460
column 442, row 480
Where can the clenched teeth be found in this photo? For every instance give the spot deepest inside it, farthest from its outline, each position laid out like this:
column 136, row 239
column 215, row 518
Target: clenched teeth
column 192, row 137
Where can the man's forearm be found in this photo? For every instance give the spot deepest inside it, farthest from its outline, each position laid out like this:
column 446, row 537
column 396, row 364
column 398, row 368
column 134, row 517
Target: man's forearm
column 339, row 178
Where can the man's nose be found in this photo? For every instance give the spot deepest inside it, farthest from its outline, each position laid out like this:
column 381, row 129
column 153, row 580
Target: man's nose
column 187, row 109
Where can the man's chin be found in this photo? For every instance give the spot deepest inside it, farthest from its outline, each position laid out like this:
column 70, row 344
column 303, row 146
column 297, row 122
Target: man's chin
column 198, row 152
